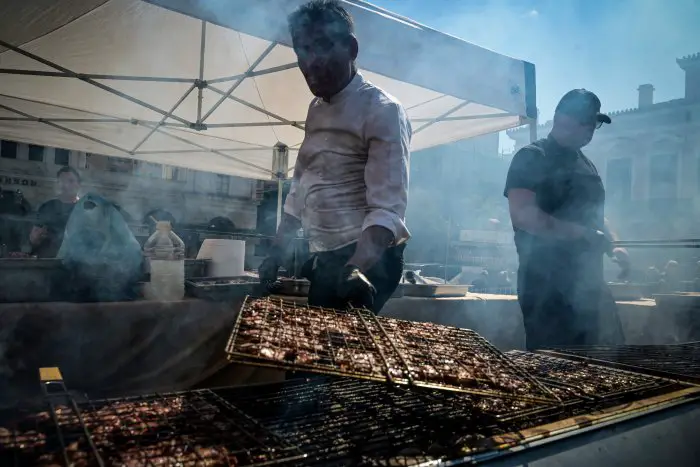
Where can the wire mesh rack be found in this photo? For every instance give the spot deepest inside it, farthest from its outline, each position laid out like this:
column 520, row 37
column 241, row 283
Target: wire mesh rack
column 281, row 334
column 350, row 422
column 188, row 428
column 499, row 408
column 342, row 421
column 583, row 379
column 676, row 361
column 445, row 357
column 358, row 344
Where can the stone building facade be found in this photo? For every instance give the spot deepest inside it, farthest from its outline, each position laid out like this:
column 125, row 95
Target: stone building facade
column 190, row 196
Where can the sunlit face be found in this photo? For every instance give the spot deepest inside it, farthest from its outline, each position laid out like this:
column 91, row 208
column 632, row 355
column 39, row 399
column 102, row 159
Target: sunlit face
column 325, row 59
column 68, row 184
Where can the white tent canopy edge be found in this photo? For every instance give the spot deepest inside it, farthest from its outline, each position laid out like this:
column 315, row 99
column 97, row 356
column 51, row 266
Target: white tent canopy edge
column 216, row 88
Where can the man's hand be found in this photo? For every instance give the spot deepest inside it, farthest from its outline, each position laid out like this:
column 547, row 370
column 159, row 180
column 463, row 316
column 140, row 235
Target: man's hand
column 372, row 244
column 599, row 241
column 355, row 288
column 622, row 258
column 270, row 267
column 38, row 235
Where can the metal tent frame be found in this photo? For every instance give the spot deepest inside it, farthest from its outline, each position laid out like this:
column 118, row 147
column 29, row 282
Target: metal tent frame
column 184, row 131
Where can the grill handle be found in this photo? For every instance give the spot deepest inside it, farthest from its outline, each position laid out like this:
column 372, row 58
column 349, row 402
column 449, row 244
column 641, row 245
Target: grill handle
column 54, row 390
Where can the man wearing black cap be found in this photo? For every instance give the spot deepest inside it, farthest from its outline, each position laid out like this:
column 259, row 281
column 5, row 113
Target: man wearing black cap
column 556, row 200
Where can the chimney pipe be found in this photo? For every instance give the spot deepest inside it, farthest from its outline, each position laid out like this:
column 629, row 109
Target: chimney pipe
column 646, row 96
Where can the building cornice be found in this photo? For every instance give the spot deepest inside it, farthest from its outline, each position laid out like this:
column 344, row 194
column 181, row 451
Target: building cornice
column 689, row 61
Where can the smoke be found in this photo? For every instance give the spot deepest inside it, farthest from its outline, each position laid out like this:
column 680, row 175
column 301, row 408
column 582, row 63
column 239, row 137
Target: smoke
column 608, row 47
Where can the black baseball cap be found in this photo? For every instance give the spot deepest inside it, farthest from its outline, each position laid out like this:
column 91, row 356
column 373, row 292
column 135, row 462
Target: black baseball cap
column 582, row 104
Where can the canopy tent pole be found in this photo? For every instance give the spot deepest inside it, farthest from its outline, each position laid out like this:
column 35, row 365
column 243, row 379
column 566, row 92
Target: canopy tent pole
column 200, row 81
column 121, row 118
column 90, row 81
column 238, row 82
column 280, row 167
column 447, row 245
column 280, row 186
column 533, row 130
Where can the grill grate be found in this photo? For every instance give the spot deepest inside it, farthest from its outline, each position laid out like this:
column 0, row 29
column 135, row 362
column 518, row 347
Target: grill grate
column 341, row 421
column 446, row 357
column 349, row 422
column 583, row 379
column 677, row 361
column 358, row 344
column 325, row 421
column 192, row 428
column 288, row 335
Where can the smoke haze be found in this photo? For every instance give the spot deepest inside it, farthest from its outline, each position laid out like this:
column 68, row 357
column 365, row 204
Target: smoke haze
column 607, row 47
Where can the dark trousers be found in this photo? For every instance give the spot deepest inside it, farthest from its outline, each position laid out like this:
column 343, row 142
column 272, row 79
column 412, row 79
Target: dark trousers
column 567, row 308
column 324, row 268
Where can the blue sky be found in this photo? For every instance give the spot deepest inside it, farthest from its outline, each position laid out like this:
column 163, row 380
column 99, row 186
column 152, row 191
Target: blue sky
column 609, row 47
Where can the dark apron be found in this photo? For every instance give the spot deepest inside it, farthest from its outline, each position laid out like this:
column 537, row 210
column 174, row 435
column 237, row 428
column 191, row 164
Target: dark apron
column 323, row 269
column 561, row 289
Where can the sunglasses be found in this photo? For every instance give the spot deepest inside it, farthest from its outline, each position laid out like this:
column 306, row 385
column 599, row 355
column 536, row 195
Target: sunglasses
column 590, row 121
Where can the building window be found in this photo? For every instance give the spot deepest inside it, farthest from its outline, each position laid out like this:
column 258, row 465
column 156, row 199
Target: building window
column 222, row 184
column 171, row 173
column 62, row 157
column 8, row 150
column 36, row 153
column 120, row 165
column 618, row 186
column 663, row 176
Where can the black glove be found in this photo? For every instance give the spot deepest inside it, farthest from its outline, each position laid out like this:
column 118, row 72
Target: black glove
column 355, row 288
column 269, row 268
column 599, row 242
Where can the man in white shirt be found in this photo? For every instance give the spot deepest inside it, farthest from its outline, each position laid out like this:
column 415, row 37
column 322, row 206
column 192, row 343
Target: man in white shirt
column 350, row 184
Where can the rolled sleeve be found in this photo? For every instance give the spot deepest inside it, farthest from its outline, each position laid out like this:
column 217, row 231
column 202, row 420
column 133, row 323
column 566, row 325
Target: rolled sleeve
column 294, row 204
column 388, row 134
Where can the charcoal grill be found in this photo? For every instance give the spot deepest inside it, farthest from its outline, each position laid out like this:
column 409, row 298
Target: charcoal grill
column 342, row 421
column 350, row 422
column 677, row 361
column 584, row 379
column 186, row 428
column 357, row 344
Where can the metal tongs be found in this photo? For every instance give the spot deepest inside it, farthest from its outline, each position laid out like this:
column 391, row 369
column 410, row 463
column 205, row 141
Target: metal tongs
column 663, row 244
column 680, row 243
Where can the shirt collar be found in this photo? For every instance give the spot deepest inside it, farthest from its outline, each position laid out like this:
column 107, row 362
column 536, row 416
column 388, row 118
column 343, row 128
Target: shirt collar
column 353, row 86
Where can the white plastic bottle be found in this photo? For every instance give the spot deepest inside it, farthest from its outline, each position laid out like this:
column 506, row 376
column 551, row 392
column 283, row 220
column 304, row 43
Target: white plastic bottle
column 165, row 251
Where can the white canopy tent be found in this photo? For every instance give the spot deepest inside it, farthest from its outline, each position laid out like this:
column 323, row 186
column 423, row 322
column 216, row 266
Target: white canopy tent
column 213, row 85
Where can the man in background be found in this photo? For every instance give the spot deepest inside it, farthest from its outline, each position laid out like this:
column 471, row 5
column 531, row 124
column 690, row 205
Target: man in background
column 556, row 200
column 350, row 184
column 46, row 236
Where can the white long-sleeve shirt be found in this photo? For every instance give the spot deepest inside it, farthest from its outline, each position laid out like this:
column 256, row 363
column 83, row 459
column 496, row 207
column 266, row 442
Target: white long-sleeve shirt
column 352, row 169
